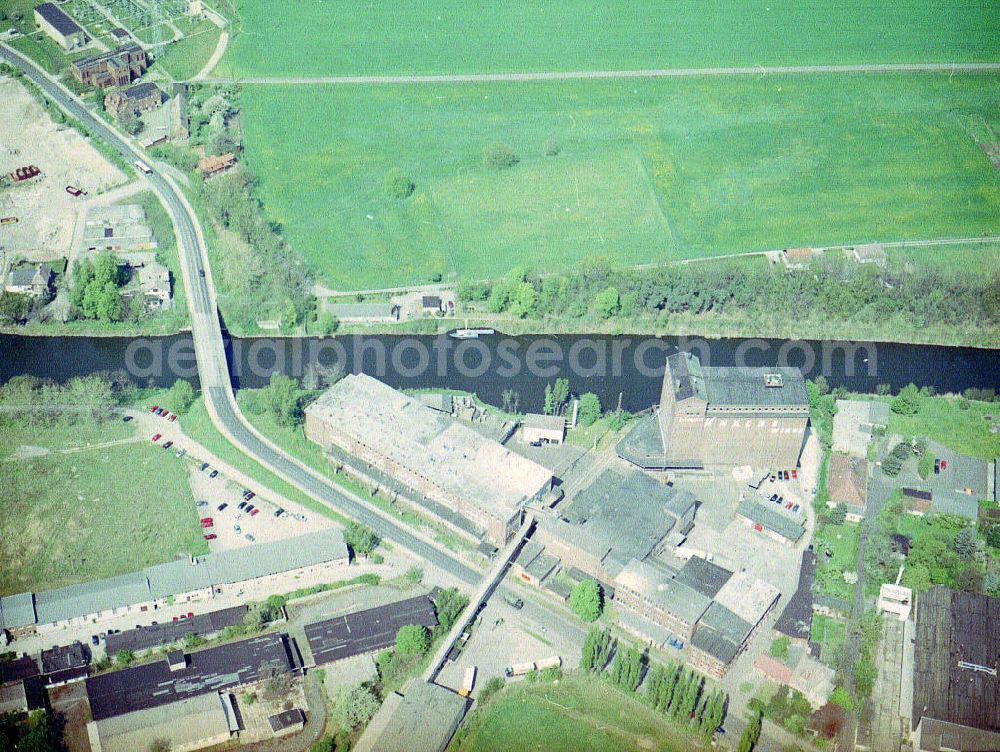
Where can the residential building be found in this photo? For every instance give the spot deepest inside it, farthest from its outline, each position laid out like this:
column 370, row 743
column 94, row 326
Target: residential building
column 716, row 416
column 422, row 718
column 120, row 67
column 154, row 285
column 213, row 165
column 847, row 484
column 267, row 567
column 134, row 100
column 120, row 228
column 35, row 281
column 956, row 656
column 543, row 429
column 465, row 478
column 188, row 724
column 362, row 312
column 64, row 664
column 870, row 253
column 59, row 26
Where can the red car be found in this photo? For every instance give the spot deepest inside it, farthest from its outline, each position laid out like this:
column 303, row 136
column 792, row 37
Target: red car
column 156, row 437
column 788, row 505
column 172, row 418
column 190, row 614
column 207, row 522
column 210, row 536
column 154, row 408
column 795, row 474
column 255, row 512
column 944, row 464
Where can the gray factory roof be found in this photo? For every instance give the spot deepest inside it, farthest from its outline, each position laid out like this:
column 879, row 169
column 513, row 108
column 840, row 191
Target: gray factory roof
column 704, row 576
column 771, row 519
column 431, row 445
column 721, row 632
column 956, row 658
column 17, row 610
column 735, row 386
column 422, row 720
column 658, row 587
column 628, row 512
column 176, row 577
column 58, row 19
column 154, row 684
column 182, row 724
column 544, row 422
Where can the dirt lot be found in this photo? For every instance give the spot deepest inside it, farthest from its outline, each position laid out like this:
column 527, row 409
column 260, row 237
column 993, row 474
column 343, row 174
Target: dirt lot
column 46, row 213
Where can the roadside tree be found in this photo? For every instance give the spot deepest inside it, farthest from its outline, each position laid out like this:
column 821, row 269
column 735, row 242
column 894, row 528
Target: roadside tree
column 586, row 600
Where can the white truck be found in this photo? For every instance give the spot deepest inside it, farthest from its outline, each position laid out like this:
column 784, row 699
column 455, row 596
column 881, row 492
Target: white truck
column 468, row 681
column 553, row 662
column 142, row 167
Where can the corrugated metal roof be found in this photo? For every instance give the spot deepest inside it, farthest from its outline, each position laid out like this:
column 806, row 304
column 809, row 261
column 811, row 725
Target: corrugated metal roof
column 17, row 610
column 771, row 519
column 91, row 597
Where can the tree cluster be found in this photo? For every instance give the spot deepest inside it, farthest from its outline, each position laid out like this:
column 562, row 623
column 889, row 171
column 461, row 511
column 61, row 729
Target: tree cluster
column 556, row 397
column 448, row 605
column 627, row 669
column 95, row 291
column 835, row 291
column 360, row 539
column 32, row 401
column 681, row 693
column 597, row 648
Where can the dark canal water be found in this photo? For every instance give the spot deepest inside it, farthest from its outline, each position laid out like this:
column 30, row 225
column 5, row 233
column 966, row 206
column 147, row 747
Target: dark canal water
column 630, row 366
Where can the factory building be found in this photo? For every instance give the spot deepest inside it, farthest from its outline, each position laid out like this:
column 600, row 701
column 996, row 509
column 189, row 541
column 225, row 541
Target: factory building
column 711, row 416
column 60, row 27
column 463, row 477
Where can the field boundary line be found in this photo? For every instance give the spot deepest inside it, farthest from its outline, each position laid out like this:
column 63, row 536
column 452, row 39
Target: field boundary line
column 756, row 70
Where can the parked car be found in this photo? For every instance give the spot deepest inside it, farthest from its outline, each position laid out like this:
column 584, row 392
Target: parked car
column 94, row 640
column 944, row 464
column 237, row 529
column 160, row 411
column 278, row 512
column 72, row 190
column 255, row 512
column 202, row 503
column 242, row 505
column 249, row 537
column 937, row 467
column 207, row 522
column 514, row 602
column 795, row 508
column 795, row 474
column 181, row 452
column 172, row 418
column 126, row 418
column 210, row 536
column 675, row 643
column 168, row 445
column 774, row 497
column 213, row 473
column 157, row 437
column 788, row 505
column 786, row 475
column 154, row 408
column 221, row 506
column 202, row 466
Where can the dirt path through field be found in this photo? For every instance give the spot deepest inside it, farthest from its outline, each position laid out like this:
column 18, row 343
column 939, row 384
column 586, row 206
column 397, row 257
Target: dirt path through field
column 220, row 50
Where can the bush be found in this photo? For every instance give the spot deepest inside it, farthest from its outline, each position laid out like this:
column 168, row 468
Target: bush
column 779, row 648
column 412, row 640
column 493, row 686
column 590, row 409
column 907, row 402
column 500, row 156
column 180, row 397
column 398, row 185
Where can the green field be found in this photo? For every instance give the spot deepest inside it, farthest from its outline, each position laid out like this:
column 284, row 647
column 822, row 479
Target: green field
column 98, row 512
column 647, row 170
column 942, row 419
column 579, row 714
column 184, row 59
column 435, row 36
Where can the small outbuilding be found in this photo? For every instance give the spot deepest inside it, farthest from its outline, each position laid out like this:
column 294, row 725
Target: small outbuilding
column 287, row 722
column 870, row 253
column 544, row 429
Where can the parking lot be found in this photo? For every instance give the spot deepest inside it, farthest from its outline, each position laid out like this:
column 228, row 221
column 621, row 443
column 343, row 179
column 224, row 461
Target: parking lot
column 215, row 485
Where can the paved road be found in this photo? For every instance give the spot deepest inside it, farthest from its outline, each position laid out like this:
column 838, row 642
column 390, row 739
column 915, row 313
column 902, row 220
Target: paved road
column 213, row 369
column 759, row 70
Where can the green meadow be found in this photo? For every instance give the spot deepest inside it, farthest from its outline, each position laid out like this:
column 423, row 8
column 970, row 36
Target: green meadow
column 317, row 37
column 646, row 171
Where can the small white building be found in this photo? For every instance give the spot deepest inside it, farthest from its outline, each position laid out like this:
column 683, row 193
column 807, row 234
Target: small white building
column 544, row 429
column 895, row 599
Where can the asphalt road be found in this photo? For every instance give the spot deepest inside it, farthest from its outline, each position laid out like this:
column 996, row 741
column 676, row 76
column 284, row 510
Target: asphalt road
column 213, row 369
